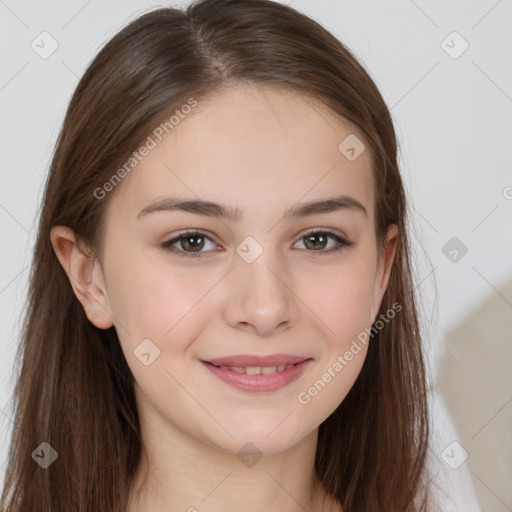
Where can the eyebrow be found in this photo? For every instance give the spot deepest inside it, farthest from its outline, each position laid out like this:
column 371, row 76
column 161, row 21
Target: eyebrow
column 233, row 214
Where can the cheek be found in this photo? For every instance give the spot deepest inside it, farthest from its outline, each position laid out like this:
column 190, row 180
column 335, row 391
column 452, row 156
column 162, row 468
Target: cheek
column 151, row 299
column 345, row 314
column 343, row 304
column 159, row 314
column 164, row 305
column 341, row 297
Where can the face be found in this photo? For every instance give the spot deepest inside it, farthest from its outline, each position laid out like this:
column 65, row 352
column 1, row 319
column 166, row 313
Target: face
column 187, row 286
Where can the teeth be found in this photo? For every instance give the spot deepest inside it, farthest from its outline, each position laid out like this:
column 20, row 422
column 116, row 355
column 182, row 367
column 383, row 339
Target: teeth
column 257, row 370
column 239, row 369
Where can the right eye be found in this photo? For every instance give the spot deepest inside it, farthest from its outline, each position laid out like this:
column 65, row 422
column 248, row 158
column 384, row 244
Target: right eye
column 188, row 240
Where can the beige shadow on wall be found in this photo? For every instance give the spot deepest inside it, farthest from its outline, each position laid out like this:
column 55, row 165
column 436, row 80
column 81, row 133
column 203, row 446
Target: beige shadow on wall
column 475, row 380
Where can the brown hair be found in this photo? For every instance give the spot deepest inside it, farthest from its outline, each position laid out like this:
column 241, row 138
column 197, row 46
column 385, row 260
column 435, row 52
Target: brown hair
column 74, row 389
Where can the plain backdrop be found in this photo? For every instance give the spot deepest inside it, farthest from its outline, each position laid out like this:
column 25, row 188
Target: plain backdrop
column 444, row 69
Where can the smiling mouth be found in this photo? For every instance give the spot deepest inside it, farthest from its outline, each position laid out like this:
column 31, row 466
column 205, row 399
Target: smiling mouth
column 259, row 378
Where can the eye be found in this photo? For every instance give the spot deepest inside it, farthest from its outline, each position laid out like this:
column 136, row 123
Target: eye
column 193, row 241
column 317, row 240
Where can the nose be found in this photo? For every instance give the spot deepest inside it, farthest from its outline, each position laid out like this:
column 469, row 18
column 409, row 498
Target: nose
column 260, row 295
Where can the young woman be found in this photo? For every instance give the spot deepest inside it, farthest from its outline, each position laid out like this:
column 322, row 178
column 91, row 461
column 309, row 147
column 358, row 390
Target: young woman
column 221, row 310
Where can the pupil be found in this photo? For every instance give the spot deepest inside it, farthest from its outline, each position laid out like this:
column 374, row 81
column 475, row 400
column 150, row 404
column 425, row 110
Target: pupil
column 311, row 238
column 189, row 241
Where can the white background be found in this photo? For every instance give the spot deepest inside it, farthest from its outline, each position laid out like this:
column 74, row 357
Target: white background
column 452, row 115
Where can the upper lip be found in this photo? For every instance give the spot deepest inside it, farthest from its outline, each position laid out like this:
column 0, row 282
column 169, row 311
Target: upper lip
column 250, row 360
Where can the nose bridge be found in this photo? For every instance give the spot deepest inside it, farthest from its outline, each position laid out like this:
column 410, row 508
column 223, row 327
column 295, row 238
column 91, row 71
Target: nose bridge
column 259, row 294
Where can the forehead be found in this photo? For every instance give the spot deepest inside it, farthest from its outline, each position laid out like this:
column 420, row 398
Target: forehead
column 252, row 147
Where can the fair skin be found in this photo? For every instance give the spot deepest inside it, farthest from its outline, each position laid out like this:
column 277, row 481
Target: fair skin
column 263, row 151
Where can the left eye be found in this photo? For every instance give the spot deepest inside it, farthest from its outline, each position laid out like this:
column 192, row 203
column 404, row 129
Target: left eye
column 320, row 238
column 192, row 243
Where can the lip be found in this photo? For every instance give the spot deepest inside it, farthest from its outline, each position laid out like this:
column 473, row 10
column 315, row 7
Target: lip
column 258, row 383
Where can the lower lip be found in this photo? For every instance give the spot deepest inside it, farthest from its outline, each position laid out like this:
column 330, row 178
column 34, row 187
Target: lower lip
column 258, row 383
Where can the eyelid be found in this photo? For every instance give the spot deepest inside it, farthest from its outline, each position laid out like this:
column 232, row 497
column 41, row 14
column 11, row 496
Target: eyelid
column 330, row 231
column 193, row 232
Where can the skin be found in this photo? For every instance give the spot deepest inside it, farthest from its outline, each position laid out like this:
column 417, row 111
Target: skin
column 263, row 151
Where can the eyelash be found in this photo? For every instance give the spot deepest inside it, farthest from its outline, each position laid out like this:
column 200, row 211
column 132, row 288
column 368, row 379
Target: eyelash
column 167, row 246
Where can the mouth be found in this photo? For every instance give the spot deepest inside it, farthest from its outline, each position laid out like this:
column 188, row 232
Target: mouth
column 258, row 374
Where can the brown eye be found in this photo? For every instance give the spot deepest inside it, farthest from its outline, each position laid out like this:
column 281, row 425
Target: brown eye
column 191, row 244
column 317, row 241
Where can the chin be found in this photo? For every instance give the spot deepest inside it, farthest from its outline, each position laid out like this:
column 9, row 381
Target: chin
column 267, row 440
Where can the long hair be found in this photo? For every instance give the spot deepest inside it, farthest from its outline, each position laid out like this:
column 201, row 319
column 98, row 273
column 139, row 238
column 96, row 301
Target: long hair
column 74, row 389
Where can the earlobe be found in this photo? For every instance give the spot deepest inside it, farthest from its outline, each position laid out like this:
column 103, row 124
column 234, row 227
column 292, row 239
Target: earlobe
column 385, row 263
column 84, row 274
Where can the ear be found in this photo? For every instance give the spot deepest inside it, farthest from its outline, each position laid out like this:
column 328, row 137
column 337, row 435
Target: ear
column 385, row 260
column 85, row 275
